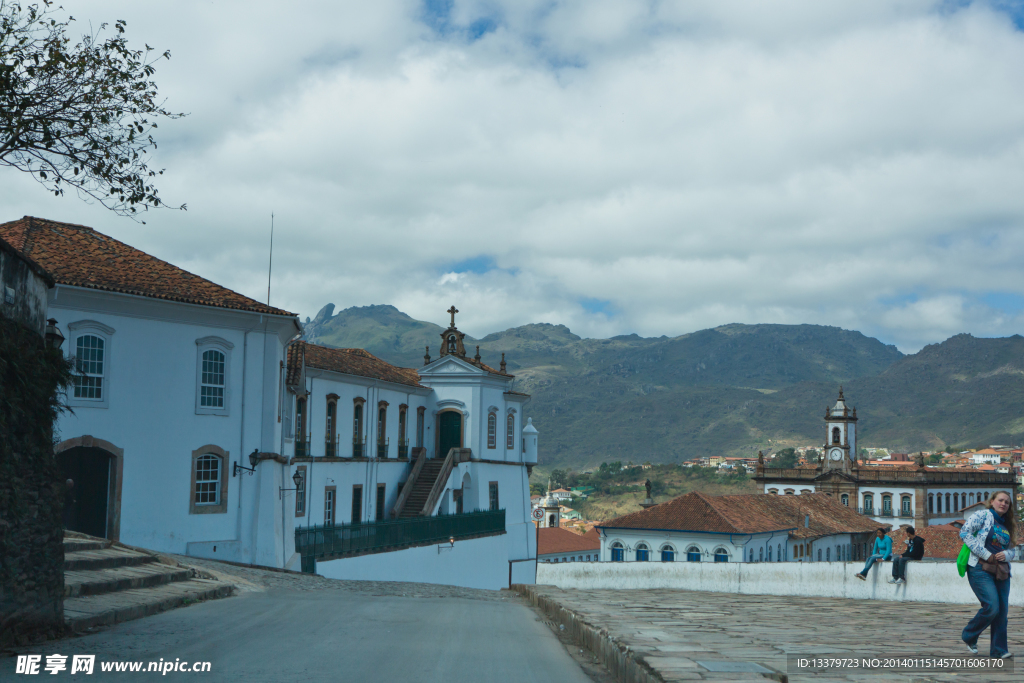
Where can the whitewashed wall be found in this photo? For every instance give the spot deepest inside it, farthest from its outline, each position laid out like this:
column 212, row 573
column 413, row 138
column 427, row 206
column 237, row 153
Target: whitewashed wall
column 926, row 581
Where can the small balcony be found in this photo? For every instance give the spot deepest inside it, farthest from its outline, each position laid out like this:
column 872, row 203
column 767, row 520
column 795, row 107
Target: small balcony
column 359, row 448
column 301, row 448
column 382, row 448
column 403, row 448
column 331, row 447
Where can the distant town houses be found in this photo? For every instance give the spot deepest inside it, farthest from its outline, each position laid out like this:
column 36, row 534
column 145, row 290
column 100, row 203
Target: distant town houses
column 556, row 544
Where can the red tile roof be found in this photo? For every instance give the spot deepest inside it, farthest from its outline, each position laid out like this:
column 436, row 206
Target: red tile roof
column 79, row 256
column 941, row 541
column 346, row 361
column 552, row 540
column 750, row 514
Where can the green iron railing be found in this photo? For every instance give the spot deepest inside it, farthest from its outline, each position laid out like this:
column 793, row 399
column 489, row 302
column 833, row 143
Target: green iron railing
column 337, row 540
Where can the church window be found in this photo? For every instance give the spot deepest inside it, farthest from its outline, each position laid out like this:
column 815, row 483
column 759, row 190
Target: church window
column 208, row 480
column 329, row 494
column 382, row 427
column 492, row 429
column 300, row 492
column 778, row 553
column 931, row 503
column 357, row 503
column 769, row 553
column 510, row 431
column 492, row 495
column 693, row 554
column 403, row 440
column 751, row 555
column 419, row 426
column 905, row 505
column 835, row 435
column 869, row 503
column 617, row 552
column 886, row 505
column 357, row 429
column 381, row 499
column 89, row 363
column 668, row 554
column 211, row 388
column 721, row 555
column 948, row 508
column 573, row 559
column 642, row 552
column 760, row 554
column 845, row 499
column 331, row 432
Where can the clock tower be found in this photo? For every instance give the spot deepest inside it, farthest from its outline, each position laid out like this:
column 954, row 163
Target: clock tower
column 840, row 437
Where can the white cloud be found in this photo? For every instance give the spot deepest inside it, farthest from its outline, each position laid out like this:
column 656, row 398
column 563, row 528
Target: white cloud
column 691, row 164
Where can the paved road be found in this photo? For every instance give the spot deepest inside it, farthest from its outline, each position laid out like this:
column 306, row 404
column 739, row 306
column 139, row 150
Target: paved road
column 334, row 635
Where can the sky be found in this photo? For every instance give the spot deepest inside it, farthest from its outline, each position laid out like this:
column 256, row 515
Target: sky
column 617, row 167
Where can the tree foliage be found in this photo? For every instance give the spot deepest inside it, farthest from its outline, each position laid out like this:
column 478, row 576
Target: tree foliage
column 785, row 458
column 78, row 115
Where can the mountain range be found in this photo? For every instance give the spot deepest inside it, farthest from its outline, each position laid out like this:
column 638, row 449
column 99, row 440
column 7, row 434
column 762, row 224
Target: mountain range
column 731, row 390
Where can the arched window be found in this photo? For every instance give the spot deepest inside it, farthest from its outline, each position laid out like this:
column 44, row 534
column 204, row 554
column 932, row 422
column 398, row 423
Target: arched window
column 510, row 431
column 419, row 426
column 331, row 438
column 403, row 440
column 869, row 504
column 693, row 554
column 769, row 553
column 751, row 555
column 778, row 553
column 905, row 506
column 211, row 388
column 721, row 555
column 845, row 499
column 89, row 367
column 828, row 554
column 948, row 508
column 642, row 552
column 956, row 501
column 760, row 554
column 835, row 435
column 931, row 503
column 886, row 505
column 492, row 429
column 819, row 554
column 668, row 553
column 618, row 552
column 207, row 490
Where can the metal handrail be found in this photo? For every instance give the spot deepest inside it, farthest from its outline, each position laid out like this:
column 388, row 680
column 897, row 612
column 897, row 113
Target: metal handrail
column 382, row 448
column 337, row 540
column 358, row 447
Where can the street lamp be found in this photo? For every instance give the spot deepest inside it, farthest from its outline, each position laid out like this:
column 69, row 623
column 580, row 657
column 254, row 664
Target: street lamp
column 54, row 337
column 254, row 459
column 297, row 478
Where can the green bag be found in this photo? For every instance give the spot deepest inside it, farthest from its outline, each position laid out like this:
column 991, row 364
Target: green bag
column 961, row 559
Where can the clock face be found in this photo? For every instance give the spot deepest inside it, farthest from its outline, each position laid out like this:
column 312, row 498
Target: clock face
column 836, row 455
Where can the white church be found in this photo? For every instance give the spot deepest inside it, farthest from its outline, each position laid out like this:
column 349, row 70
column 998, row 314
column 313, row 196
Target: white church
column 204, row 425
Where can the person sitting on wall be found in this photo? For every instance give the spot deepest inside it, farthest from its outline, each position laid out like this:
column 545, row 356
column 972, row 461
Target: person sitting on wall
column 882, row 550
column 915, row 551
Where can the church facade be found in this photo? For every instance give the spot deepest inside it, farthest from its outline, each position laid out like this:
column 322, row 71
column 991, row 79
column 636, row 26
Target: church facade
column 203, row 425
column 919, row 496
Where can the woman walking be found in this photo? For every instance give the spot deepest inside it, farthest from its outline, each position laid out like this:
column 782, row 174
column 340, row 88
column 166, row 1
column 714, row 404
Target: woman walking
column 991, row 535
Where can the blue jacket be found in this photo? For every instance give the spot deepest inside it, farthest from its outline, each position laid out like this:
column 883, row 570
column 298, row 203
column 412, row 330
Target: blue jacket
column 883, row 547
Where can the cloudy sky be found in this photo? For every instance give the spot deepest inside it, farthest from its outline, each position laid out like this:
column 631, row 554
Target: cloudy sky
column 649, row 167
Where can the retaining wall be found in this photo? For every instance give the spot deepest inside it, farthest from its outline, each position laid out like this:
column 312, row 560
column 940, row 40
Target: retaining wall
column 926, row 581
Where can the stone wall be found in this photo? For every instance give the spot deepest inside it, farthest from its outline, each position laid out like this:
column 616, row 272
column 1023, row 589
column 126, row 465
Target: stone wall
column 926, row 581
column 31, row 493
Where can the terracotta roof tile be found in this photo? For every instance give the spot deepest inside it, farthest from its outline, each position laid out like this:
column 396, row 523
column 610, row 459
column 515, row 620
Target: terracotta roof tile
column 941, row 541
column 558, row 540
column 748, row 514
column 346, row 361
column 79, row 256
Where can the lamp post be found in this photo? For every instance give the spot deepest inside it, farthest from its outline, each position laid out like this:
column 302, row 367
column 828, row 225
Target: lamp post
column 297, row 478
column 254, row 459
column 54, row 337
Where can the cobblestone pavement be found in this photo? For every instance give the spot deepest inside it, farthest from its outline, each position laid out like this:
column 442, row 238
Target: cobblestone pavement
column 251, row 579
column 674, row 630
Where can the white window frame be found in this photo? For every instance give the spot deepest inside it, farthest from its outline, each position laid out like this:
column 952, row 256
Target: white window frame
column 81, row 328
column 213, row 344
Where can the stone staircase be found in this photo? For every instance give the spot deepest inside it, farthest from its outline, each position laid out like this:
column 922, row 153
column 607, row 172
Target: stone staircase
column 106, row 584
column 421, row 489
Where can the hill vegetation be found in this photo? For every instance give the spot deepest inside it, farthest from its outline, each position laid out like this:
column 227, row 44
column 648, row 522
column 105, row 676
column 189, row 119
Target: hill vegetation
column 731, row 390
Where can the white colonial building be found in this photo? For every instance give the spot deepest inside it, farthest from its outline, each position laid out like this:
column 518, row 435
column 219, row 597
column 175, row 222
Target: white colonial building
column 917, row 495
column 202, row 425
column 697, row 527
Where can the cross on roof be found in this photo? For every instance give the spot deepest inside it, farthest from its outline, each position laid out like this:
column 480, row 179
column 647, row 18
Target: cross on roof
column 453, row 311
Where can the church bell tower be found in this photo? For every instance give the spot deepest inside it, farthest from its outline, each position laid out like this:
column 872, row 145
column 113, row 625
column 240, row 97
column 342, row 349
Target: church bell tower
column 840, row 436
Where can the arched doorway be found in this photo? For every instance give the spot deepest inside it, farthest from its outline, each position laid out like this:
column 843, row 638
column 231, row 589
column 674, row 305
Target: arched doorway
column 449, row 432
column 92, row 505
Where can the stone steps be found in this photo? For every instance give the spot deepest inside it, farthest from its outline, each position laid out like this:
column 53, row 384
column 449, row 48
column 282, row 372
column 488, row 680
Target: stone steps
column 82, row 582
column 106, row 584
column 134, row 603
